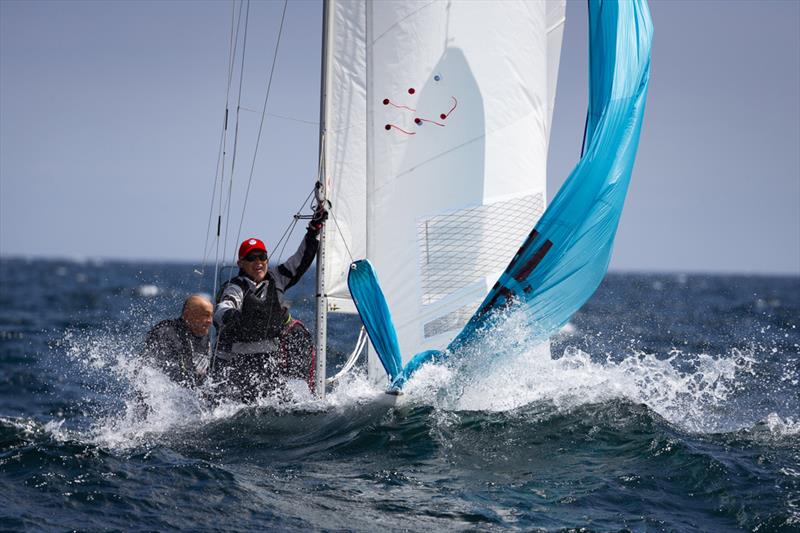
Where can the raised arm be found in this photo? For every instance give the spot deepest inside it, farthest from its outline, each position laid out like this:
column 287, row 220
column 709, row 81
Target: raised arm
column 290, row 271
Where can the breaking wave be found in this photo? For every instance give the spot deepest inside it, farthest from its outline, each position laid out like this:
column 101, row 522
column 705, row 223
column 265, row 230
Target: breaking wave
column 136, row 404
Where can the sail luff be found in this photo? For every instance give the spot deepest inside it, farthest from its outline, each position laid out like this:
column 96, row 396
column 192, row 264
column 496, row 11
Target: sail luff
column 321, row 296
column 346, row 148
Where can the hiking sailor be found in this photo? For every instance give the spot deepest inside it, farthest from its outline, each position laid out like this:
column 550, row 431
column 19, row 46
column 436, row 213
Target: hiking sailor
column 180, row 346
column 259, row 343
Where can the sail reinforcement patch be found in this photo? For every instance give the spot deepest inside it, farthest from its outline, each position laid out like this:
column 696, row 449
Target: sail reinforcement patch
column 459, row 248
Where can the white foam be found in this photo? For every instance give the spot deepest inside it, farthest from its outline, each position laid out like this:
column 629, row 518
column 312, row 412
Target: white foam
column 567, row 330
column 148, row 291
column 505, row 372
column 782, row 426
column 153, row 405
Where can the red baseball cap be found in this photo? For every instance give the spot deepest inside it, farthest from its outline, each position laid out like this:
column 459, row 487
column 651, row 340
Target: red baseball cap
column 248, row 245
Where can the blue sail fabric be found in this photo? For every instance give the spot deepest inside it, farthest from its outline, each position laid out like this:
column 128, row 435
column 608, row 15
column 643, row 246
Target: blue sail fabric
column 566, row 256
column 374, row 312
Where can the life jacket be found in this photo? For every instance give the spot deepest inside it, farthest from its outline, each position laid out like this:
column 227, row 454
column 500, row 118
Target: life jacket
column 263, row 319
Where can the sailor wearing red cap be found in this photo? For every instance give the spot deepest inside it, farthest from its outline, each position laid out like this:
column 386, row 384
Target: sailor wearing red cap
column 259, row 343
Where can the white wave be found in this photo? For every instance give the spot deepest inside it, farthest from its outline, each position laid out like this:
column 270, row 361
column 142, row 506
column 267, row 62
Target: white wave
column 782, row 426
column 32, row 429
column 505, row 372
column 152, row 402
column 151, row 406
column 148, row 291
column 355, row 388
column 26, row 425
column 57, row 430
column 567, row 330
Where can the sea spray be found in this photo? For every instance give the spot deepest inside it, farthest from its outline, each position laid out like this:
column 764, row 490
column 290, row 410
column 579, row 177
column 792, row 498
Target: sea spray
column 134, row 404
column 353, row 463
column 505, row 371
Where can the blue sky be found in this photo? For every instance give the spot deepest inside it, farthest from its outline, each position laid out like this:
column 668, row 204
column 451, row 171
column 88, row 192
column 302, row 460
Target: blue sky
column 110, row 117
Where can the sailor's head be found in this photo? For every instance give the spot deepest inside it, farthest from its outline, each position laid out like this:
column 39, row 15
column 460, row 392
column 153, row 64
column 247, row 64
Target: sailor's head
column 253, row 259
column 197, row 313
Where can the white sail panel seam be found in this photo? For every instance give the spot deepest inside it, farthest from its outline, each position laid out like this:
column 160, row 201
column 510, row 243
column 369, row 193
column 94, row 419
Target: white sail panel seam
column 397, row 23
column 462, row 145
column 557, row 25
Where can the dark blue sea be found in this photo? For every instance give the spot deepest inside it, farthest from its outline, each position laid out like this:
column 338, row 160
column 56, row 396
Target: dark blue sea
column 671, row 402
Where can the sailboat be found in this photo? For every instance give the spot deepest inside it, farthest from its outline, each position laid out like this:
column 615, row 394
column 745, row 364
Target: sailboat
column 434, row 134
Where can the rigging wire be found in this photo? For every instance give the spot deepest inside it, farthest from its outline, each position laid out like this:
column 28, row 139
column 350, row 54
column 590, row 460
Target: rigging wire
column 226, row 210
column 231, row 48
column 284, row 117
column 236, row 134
column 351, row 361
column 297, row 216
column 221, row 168
column 290, row 229
column 234, row 41
column 206, row 249
column 339, row 231
column 224, row 204
column 263, row 114
column 329, row 207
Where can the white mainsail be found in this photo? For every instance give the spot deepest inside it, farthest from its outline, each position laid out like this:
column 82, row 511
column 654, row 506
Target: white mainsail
column 437, row 120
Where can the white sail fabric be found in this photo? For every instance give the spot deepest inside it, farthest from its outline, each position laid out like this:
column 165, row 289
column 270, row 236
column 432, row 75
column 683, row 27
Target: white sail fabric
column 345, row 147
column 436, row 150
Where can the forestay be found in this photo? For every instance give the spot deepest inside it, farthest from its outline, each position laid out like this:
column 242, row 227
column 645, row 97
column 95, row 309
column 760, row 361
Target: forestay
column 437, row 124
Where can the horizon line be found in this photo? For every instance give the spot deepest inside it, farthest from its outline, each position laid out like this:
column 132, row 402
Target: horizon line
column 83, row 259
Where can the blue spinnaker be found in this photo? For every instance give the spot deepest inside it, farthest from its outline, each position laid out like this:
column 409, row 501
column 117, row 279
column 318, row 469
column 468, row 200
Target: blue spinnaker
column 565, row 257
column 374, row 312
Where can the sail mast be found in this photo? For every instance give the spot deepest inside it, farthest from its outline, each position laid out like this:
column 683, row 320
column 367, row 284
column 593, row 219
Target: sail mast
column 321, row 297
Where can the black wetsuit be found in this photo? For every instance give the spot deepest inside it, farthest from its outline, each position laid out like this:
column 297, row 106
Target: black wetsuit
column 176, row 351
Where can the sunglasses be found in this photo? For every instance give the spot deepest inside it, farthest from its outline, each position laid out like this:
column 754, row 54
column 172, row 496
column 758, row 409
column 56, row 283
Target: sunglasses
column 256, row 257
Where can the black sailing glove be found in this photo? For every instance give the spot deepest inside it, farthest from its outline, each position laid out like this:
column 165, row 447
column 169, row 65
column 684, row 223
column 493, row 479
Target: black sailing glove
column 318, row 220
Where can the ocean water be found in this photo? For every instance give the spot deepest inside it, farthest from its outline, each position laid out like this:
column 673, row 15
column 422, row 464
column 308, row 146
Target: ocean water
column 670, row 403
